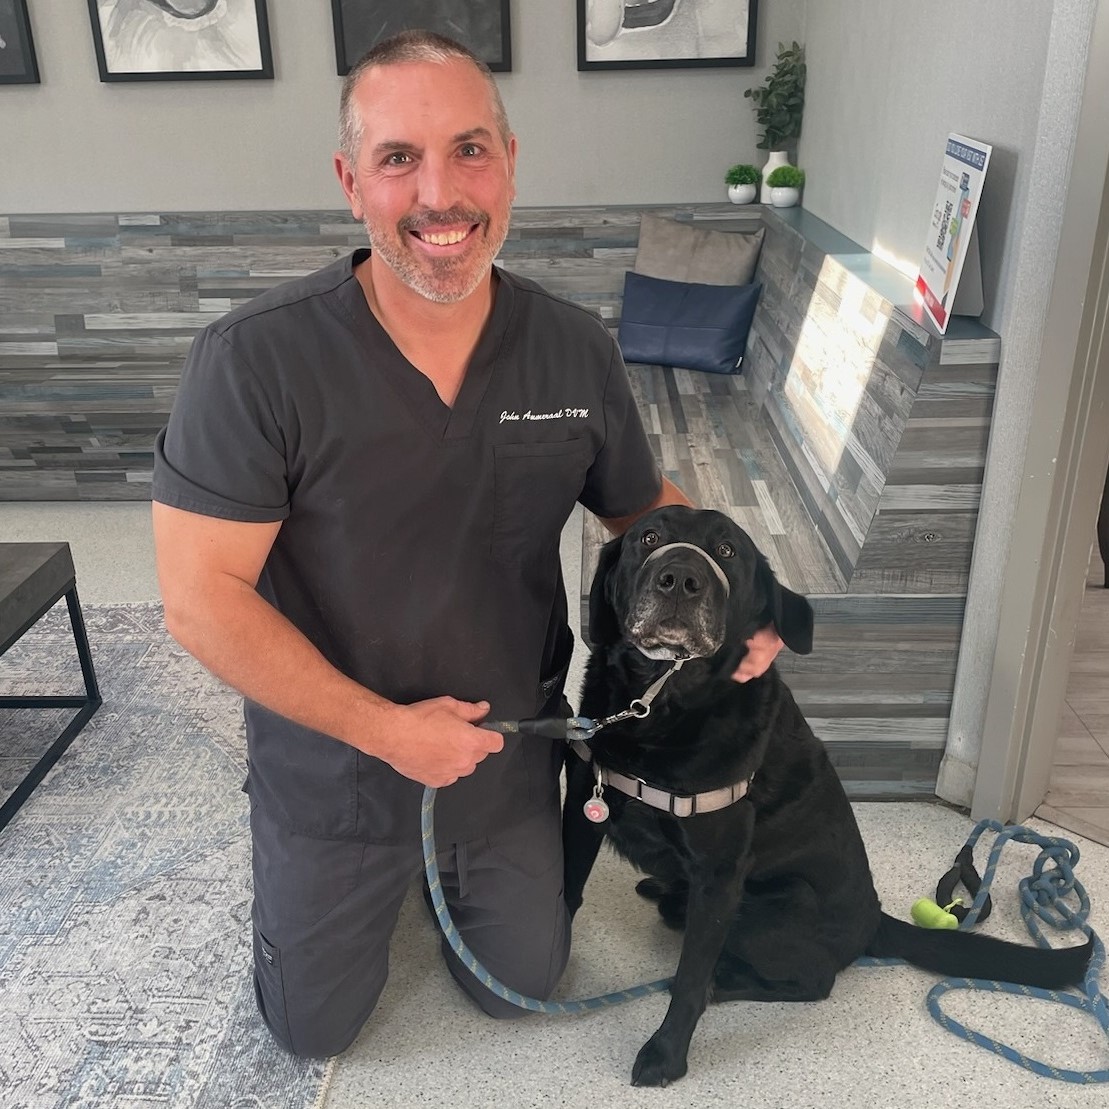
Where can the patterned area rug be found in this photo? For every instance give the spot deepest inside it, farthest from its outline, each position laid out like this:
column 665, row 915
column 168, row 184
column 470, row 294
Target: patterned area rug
column 125, row 888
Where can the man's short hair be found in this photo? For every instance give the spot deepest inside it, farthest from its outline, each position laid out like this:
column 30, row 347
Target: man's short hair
column 409, row 46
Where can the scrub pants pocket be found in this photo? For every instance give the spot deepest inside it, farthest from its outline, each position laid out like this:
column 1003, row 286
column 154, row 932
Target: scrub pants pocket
column 269, row 988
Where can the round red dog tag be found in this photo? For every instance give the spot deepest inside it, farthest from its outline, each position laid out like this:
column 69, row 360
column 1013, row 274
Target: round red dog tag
column 596, row 810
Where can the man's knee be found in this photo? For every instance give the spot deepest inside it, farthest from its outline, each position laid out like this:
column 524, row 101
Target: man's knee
column 531, row 974
column 313, row 1042
column 311, row 1023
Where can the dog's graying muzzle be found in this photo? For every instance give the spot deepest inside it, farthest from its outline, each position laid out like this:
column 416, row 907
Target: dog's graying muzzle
column 702, row 552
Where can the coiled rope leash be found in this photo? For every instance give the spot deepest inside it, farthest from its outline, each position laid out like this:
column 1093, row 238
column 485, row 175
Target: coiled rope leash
column 470, row 960
column 1042, row 895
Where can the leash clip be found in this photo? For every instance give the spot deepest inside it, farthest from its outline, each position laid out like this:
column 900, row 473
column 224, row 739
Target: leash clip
column 582, row 728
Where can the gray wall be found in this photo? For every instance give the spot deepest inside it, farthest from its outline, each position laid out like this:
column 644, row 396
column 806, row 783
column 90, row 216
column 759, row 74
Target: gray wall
column 73, row 144
column 887, row 83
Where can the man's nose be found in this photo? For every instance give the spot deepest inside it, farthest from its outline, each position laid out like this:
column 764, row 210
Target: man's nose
column 437, row 187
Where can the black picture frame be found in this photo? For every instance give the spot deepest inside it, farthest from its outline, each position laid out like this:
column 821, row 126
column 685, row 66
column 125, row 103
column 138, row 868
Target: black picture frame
column 238, row 27
column 660, row 34
column 482, row 25
column 18, row 64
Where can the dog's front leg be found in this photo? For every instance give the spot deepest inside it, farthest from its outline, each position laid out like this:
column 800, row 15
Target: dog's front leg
column 715, row 887
column 581, row 838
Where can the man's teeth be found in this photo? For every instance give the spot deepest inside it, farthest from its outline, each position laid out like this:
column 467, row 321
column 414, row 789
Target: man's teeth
column 443, row 238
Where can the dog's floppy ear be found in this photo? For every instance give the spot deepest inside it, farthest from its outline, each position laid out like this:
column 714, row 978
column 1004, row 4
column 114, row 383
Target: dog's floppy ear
column 790, row 613
column 604, row 628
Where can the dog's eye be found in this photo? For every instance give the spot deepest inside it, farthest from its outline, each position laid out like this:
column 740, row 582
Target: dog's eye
column 725, row 550
column 649, row 539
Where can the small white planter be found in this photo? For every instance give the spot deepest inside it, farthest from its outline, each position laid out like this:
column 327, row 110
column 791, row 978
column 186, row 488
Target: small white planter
column 782, row 197
column 741, row 194
column 777, row 158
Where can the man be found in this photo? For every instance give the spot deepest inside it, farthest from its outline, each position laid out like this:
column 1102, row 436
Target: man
column 359, row 498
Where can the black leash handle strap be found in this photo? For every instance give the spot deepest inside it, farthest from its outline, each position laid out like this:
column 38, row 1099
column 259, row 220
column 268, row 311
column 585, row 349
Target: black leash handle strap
column 548, row 727
column 963, row 871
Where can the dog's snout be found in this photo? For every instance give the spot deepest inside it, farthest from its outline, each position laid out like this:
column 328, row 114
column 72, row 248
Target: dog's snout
column 686, row 581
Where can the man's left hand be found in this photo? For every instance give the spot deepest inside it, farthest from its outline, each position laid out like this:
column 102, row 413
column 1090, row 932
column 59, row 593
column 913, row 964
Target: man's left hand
column 762, row 650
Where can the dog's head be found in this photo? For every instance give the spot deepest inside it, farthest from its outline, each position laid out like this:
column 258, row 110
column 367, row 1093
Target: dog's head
column 687, row 582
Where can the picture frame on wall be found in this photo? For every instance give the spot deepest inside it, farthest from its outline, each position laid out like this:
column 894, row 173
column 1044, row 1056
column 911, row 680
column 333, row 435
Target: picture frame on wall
column 666, row 34
column 181, row 40
column 482, row 25
column 18, row 65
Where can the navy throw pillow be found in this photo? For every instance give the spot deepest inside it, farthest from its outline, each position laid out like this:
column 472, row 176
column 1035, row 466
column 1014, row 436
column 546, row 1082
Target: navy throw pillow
column 679, row 323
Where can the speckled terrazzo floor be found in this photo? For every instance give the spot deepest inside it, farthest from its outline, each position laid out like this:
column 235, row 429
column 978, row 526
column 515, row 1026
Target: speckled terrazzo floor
column 872, row 1044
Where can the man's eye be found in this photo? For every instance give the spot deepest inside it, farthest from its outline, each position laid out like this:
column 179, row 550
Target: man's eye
column 469, row 150
column 649, row 539
column 397, row 159
column 725, row 550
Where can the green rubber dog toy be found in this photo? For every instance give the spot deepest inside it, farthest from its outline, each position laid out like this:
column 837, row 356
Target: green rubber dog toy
column 928, row 914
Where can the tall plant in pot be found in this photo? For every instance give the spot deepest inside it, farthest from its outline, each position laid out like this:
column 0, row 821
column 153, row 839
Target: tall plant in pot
column 779, row 103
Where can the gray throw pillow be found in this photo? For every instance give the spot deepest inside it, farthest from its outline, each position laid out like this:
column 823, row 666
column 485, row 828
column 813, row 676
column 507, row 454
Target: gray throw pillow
column 676, row 251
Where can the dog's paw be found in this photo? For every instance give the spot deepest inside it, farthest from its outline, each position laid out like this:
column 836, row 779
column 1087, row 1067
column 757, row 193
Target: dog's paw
column 656, row 1064
column 652, row 888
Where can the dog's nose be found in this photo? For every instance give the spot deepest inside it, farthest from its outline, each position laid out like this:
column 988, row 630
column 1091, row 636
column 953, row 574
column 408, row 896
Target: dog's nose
column 687, row 581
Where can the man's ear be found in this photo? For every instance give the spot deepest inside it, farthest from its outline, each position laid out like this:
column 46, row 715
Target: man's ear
column 789, row 612
column 604, row 628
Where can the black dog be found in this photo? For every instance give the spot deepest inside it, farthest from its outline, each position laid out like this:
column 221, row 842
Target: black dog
column 742, row 824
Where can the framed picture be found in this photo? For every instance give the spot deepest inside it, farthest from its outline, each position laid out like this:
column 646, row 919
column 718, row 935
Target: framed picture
column 181, row 40
column 665, row 34
column 482, row 25
column 17, row 48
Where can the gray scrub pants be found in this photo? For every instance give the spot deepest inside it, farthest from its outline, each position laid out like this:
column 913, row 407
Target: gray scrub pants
column 324, row 912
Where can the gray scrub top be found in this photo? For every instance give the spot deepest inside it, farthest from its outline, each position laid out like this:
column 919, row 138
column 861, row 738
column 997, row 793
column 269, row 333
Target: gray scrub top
column 419, row 543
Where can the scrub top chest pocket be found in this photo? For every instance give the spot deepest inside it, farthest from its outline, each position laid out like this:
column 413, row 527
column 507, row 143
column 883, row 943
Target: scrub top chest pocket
column 535, row 487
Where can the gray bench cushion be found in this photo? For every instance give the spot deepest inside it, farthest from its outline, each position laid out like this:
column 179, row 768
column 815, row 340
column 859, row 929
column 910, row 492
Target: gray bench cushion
column 677, row 251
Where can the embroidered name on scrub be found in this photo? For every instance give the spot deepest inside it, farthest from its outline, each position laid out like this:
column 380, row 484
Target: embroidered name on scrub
column 561, row 414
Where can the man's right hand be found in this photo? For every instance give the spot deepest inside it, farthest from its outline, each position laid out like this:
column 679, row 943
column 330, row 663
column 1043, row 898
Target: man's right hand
column 436, row 742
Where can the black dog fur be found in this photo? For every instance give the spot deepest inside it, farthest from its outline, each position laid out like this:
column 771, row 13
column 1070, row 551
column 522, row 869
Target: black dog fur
column 774, row 892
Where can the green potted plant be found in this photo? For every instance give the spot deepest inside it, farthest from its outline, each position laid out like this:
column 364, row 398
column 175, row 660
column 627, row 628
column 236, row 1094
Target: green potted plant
column 741, row 181
column 779, row 104
column 785, row 184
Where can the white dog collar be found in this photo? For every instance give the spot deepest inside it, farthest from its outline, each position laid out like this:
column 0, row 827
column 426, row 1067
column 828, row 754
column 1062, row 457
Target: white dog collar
column 677, row 804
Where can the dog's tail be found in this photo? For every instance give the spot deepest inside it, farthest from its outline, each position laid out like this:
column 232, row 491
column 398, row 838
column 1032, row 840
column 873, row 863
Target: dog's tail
column 967, row 955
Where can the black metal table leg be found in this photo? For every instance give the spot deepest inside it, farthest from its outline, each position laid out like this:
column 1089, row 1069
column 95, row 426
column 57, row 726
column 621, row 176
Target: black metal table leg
column 86, row 706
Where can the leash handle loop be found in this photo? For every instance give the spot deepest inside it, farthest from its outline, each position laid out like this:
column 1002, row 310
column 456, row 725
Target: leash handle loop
column 963, row 871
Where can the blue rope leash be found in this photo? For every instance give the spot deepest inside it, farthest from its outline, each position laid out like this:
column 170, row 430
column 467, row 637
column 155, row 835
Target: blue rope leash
column 1044, row 895
column 470, row 960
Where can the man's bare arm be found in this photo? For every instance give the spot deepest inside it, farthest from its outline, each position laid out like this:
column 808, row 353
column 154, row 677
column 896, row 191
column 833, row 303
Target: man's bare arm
column 208, row 569
column 668, row 494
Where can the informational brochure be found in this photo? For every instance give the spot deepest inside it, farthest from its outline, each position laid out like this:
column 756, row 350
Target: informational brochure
column 949, row 234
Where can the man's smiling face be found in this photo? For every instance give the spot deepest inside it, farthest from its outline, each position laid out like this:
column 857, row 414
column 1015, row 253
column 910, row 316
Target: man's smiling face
column 434, row 179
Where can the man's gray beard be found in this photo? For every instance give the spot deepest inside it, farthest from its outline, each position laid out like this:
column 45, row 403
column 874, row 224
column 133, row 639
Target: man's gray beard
column 409, row 272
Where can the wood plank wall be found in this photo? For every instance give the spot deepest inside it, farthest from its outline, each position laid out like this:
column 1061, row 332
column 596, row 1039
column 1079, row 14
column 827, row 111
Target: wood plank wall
column 852, row 447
